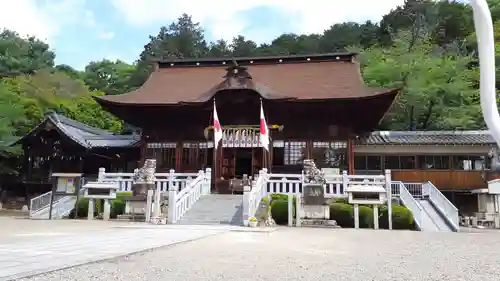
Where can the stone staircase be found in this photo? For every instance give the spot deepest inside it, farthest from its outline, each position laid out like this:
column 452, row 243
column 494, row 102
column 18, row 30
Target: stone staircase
column 215, row 209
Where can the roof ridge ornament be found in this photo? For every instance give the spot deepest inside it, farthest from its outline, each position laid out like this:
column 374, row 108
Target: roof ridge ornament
column 237, row 71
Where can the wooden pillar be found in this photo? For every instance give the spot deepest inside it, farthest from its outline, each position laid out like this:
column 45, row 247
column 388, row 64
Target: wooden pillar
column 178, row 156
column 309, row 149
column 143, row 151
column 350, row 156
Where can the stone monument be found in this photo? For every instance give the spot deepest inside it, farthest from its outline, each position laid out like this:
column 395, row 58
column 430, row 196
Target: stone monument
column 314, row 211
column 138, row 206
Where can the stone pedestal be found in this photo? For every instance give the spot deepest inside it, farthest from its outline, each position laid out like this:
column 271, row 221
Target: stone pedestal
column 135, row 208
column 315, row 212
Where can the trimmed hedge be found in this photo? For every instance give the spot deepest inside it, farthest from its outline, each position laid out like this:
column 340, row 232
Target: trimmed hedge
column 365, row 217
column 279, row 208
column 402, row 218
column 117, row 206
column 343, row 214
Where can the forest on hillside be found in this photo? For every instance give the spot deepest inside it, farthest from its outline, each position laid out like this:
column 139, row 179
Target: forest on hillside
column 425, row 47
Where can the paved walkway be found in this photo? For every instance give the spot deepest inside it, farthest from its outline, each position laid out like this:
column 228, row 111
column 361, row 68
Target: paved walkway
column 306, row 254
column 33, row 247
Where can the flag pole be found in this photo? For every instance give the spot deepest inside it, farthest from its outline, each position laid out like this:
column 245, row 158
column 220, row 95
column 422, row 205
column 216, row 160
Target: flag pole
column 214, row 151
column 264, row 151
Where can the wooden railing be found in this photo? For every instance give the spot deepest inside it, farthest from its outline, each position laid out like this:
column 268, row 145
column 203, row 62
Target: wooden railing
column 443, row 179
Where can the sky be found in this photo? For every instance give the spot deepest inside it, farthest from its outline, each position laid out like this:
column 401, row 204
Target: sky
column 80, row 31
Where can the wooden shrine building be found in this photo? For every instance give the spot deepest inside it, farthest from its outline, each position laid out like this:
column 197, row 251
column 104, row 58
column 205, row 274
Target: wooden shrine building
column 315, row 105
column 62, row 145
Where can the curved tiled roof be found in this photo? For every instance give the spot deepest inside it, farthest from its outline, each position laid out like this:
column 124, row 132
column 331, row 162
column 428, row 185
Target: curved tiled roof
column 84, row 135
column 480, row 137
column 313, row 77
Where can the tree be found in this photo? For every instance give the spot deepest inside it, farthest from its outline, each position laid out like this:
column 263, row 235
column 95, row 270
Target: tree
column 438, row 88
column 241, row 47
column 10, row 111
column 181, row 39
column 340, row 36
column 110, row 77
column 23, row 55
column 48, row 90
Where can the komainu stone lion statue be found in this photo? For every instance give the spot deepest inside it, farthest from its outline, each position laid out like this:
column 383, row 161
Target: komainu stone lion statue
column 146, row 174
column 312, row 174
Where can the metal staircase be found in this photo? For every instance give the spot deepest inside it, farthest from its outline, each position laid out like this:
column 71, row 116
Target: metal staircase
column 40, row 206
column 432, row 211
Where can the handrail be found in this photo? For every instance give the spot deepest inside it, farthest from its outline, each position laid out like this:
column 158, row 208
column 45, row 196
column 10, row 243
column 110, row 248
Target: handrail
column 410, row 202
column 179, row 202
column 39, row 202
column 443, row 205
column 252, row 198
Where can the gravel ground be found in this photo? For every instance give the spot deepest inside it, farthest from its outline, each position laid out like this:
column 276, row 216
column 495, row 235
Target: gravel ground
column 308, row 254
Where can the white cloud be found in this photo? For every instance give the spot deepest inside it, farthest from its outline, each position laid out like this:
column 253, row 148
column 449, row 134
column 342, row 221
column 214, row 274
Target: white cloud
column 219, row 16
column 106, row 35
column 43, row 19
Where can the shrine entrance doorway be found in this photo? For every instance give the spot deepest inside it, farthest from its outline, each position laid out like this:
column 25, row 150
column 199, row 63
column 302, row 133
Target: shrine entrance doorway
column 238, row 161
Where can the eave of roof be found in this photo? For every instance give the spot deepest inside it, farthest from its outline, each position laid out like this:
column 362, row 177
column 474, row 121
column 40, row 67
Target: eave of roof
column 282, row 59
column 473, row 137
column 83, row 135
column 323, row 77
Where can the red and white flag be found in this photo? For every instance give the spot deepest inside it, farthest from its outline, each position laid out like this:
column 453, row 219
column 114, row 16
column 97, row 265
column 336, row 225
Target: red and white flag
column 264, row 132
column 217, row 129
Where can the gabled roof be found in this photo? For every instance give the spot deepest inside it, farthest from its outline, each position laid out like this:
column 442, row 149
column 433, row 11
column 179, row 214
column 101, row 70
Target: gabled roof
column 481, row 137
column 305, row 77
column 84, row 135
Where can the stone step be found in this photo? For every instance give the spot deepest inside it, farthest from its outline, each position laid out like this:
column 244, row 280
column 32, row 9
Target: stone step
column 214, row 209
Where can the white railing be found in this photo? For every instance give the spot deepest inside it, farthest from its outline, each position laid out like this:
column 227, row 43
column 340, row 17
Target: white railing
column 442, row 204
column 253, row 197
column 40, row 206
column 165, row 181
column 179, row 202
column 40, row 202
column 334, row 187
column 414, row 188
column 409, row 201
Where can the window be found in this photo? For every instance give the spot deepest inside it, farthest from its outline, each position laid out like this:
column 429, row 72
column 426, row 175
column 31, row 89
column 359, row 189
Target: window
column 469, row 163
column 373, row 162
column 194, row 154
column 367, row 163
column 164, row 153
column 399, row 162
column 360, row 163
column 330, row 154
column 294, row 152
column 434, row 162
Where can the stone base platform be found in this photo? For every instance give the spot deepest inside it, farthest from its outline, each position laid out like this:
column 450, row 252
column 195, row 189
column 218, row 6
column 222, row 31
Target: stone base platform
column 129, row 217
column 322, row 223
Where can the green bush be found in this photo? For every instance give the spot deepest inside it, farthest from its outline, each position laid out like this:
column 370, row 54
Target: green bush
column 83, row 206
column 343, row 214
column 402, row 218
column 117, row 206
column 365, row 217
column 278, row 196
column 340, row 200
column 279, row 211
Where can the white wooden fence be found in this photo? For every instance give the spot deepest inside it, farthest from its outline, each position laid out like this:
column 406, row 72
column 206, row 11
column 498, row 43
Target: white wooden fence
column 165, row 181
column 335, row 184
column 291, row 184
